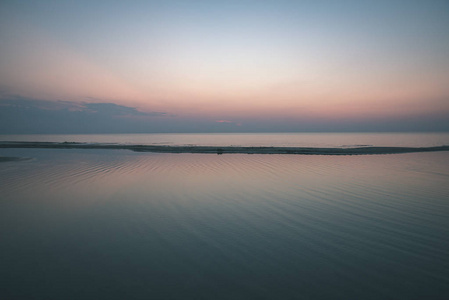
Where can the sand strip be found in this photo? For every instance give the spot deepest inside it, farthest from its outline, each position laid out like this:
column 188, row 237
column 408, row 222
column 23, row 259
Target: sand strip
column 226, row 149
column 10, row 158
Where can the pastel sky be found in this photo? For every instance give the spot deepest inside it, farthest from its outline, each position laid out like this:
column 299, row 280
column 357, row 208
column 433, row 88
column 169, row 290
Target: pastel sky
column 232, row 65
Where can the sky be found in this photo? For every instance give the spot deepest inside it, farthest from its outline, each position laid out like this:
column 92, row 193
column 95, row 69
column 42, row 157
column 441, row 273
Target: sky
column 223, row 66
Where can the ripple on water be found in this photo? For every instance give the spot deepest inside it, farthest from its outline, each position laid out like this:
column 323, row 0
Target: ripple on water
column 260, row 225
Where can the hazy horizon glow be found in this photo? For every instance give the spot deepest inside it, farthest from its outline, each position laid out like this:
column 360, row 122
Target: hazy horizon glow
column 233, row 61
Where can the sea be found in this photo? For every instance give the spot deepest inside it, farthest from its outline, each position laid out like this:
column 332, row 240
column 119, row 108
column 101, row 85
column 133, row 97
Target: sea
column 117, row 224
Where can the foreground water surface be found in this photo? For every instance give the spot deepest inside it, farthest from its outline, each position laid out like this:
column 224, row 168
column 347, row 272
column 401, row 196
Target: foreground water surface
column 96, row 224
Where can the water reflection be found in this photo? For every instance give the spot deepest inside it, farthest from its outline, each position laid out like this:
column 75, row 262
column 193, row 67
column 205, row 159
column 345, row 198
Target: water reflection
column 118, row 224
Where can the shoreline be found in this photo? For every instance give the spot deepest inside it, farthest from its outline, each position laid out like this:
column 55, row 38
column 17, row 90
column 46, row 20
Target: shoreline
column 225, row 149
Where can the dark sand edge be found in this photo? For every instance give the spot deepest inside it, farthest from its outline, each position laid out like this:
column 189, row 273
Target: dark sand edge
column 10, row 158
column 226, row 149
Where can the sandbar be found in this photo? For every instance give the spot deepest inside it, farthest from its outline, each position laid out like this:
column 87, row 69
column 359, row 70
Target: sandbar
column 12, row 158
column 226, row 149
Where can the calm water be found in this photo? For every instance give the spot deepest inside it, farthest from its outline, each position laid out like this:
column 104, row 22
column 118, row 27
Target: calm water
column 251, row 139
column 92, row 224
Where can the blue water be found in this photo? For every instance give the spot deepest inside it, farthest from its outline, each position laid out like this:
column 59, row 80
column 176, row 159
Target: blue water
column 95, row 224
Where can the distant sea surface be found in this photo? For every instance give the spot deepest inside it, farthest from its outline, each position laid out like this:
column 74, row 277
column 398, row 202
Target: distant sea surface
column 117, row 224
column 250, row 139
